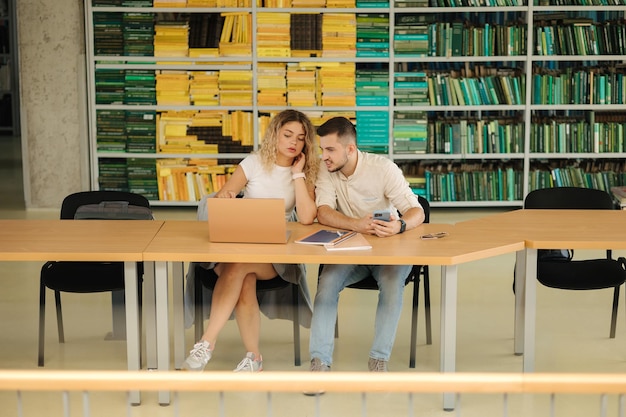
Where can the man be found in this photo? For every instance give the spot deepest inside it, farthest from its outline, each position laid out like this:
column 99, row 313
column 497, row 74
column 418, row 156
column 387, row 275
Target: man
column 353, row 186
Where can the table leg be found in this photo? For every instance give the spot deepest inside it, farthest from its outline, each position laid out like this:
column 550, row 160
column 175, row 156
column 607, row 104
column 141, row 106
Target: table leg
column 448, row 327
column 149, row 314
column 530, row 307
column 119, row 317
column 520, row 289
column 162, row 320
column 132, row 323
column 178, row 289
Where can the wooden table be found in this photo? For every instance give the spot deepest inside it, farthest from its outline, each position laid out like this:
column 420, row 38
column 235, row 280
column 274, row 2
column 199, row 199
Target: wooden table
column 547, row 229
column 93, row 240
column 188, row 241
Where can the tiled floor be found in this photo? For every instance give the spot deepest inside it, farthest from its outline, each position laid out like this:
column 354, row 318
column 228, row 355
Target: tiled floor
column 572, row 336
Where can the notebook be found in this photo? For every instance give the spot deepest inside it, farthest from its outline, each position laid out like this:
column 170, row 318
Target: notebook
column 247, row 220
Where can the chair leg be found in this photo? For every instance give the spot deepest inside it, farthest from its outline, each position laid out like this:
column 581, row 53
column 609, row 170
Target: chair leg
column 296, row 325
column 198, row 320
column 413, row 348
column 57, row 302
column 429, row 330
column 42, row 323
column 614, row 312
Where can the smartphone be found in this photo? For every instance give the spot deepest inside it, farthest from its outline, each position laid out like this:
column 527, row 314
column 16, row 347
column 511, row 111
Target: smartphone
column 384, row 215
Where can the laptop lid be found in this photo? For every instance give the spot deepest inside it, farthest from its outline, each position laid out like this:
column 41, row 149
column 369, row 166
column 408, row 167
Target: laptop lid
column 247, row 220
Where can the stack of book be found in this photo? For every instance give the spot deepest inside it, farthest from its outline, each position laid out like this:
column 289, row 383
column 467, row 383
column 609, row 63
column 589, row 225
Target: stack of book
column 172, row 88
column 339, row 35
column 372, row 87
column 222, row 132
column 273, row 37
column 138, row 29
column 340, row 4
column 109, row 86
column 306, row 34
column 411, row 35
column 372, row 131
column 372, row 35
column 139, row 87
column 272, row 84
column 111, row 130
column 337, row 81
column 410, row 132
column 171, row 39
column 172, row 132
column 142, row 177
column 204, row 88
column 190, row 179
column 112, row 174
column 141, row 131
column 201, row 3
column 239, row 125
column 410, row 88
column 308, row 3
column 410, row 3
column 170, row 3
column 108, row 36
column 205, row 30
column 235, row 39
column 301, row 85
column 372, row 4
column 235, row 87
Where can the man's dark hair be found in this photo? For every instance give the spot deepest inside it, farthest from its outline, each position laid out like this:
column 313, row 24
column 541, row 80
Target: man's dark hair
column 339, row 125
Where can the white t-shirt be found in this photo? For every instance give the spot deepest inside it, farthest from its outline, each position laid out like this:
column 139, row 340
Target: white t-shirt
column 276, row 183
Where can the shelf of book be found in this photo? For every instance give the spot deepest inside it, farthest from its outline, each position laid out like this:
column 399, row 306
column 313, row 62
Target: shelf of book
column 479, row 103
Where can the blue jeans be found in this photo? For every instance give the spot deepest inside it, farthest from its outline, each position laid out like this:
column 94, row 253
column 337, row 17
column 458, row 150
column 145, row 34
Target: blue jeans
column 334, row 278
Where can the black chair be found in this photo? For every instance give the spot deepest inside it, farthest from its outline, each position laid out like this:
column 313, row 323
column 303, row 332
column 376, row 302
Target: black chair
column 207, row 278
column 589, row 274
column 85, row 277
column 369, row 283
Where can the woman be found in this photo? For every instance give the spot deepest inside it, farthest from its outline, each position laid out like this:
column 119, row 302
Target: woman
column 285, row 167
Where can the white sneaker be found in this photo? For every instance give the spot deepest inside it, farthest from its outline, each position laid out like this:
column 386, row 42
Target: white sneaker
column 199, row 356
column 249, row 364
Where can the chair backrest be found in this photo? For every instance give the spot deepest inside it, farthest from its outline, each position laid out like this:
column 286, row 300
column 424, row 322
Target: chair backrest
column 569, row 198
column 73, row 201
column 426, row 206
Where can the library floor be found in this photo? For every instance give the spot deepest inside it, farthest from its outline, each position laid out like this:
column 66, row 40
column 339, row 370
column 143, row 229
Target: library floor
column 572, row 336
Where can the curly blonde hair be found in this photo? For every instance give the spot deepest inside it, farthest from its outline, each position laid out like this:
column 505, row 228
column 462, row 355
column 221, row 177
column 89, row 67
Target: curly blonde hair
column 268, row 148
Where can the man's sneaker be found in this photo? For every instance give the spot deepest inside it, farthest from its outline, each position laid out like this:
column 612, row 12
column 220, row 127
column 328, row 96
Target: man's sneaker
column 250, row 364
column 199, row 356
column 318, row 366
column 377, row 365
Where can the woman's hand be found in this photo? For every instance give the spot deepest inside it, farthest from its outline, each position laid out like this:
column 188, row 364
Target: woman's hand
column 298, row 164
column 226, row 194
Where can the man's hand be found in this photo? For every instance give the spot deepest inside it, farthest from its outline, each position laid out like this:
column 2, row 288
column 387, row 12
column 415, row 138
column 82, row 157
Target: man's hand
column 382, row 228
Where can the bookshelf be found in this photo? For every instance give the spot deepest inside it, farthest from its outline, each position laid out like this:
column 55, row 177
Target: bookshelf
column 477, row 103
column 9, row 97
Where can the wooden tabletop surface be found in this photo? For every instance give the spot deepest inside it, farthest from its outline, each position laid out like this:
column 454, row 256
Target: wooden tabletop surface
column 75, row 240
column 186, row 241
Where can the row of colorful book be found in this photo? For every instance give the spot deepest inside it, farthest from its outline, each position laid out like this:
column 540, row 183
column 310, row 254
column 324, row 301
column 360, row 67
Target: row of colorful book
column 136, row 175
column 581, row 36
column 190, row 179
column 593, row 133
column 601, row 175
column 115, row 86
column 603, row 84
column 456, row 135
column 506, row 86
column 464, row 181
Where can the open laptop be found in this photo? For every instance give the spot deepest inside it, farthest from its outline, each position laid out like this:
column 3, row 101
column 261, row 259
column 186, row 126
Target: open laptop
column 247, row 220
